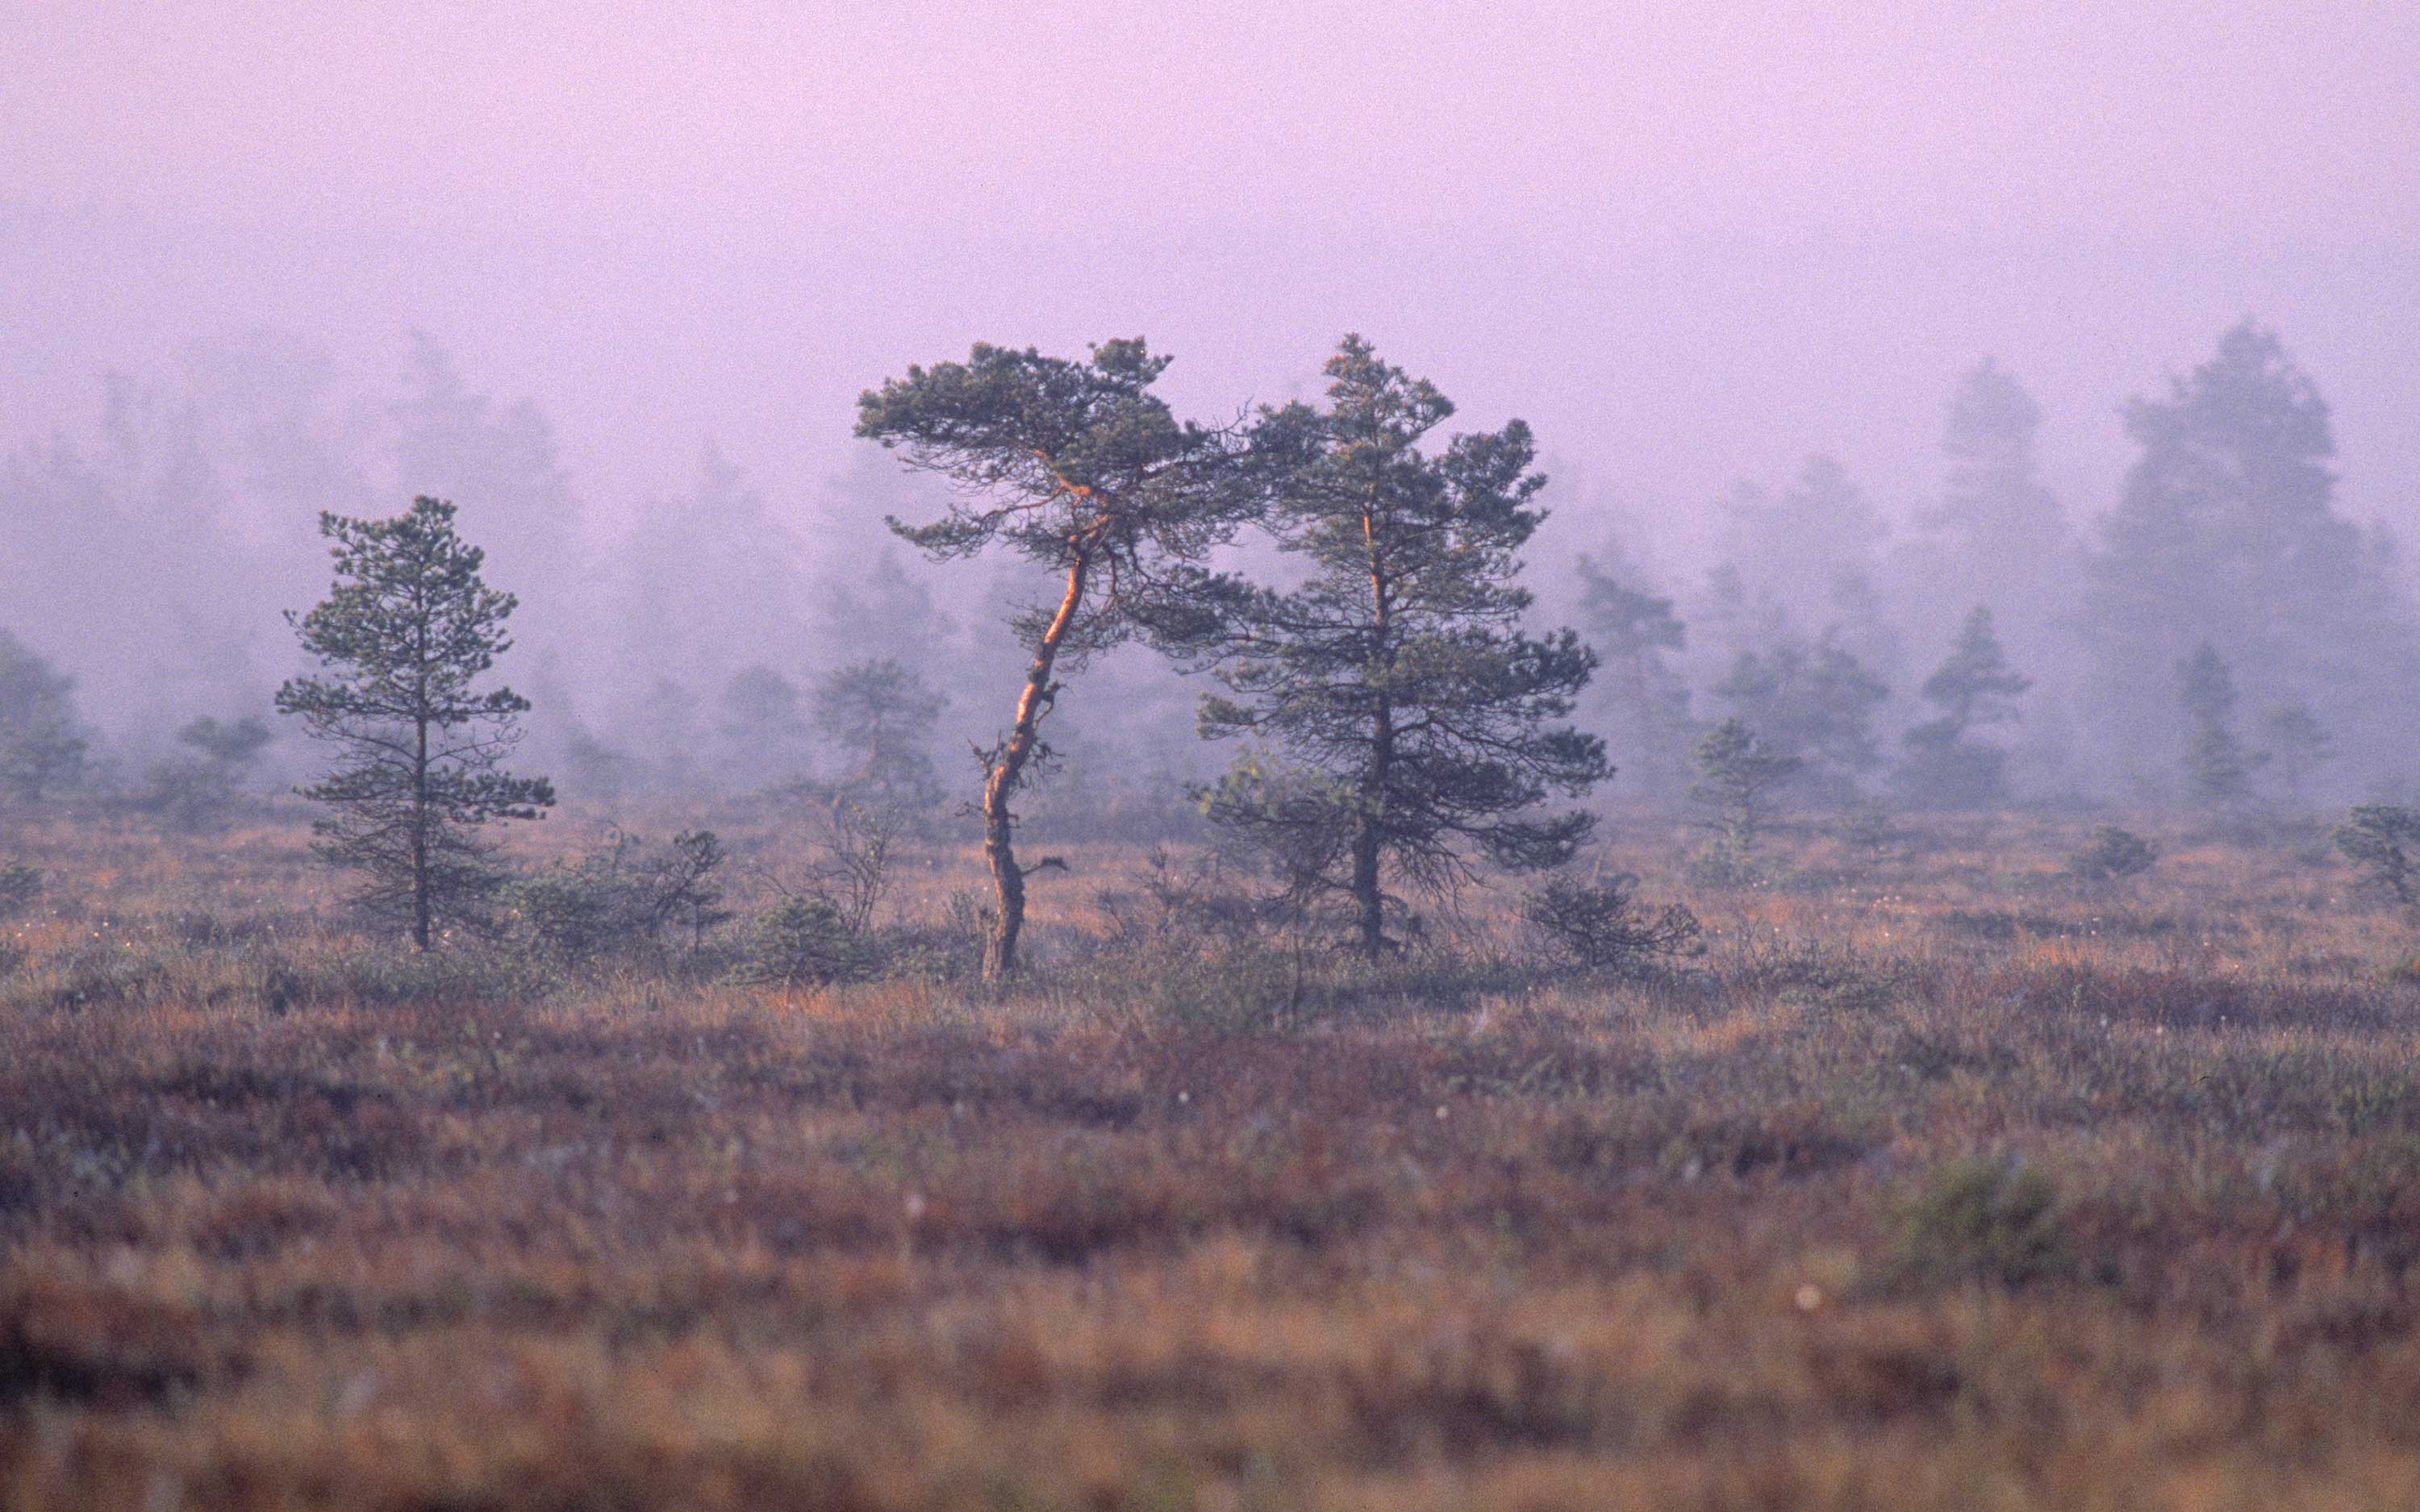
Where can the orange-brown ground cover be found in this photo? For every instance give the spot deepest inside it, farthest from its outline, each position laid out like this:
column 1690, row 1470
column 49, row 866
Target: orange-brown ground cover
column 1937, row 1184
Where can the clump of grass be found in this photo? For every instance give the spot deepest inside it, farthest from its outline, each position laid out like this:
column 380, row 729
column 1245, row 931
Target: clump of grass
column 1983, row 1219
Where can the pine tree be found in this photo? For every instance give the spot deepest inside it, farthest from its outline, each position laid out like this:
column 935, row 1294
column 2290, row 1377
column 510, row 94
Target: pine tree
column 2299, row 745
column 1418, row 718
column 880, row 716
column 402, row 636
column 1997, row 535
column 41, row 747
column 196, row 791
column 1973, row 687
column 2217, row 765
column 1634, row 632
column 1738, row 775
column 1815, row 703
column 1080, row 468
column 2228, row 532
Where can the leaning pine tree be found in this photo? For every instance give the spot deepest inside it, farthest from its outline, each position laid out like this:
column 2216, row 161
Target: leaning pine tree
column 1418, row 725
column 402, row 638
column 1080, row 468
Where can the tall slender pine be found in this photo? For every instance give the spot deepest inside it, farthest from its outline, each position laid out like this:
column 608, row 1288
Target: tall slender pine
column 402, row 636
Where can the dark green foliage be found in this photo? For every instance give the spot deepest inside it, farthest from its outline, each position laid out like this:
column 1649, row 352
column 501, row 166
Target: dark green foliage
column 2216, row 764
column 2299, row 744
column 1081, row 470
column 2380, row 839
column 1983, row 1219
column 2112, row 855
column 402, row 636
column 41, row 748
column 1737, row 777
column 1418, row 718
column 1973, row 688
column 1601, row 926
column 1815, row 702
column 879, row 716
column 194, row 793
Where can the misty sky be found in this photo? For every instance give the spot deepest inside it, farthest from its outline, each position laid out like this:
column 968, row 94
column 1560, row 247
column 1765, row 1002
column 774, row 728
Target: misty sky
column 1689, row 242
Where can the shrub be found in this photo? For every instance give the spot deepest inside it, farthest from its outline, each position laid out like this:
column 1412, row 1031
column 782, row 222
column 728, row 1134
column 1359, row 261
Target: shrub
column 2374, row 838
column 2111, row 854
column 487, row 978
column 1983, row 1219
column 1600, row 926
column 626, row 897
column 806, row 941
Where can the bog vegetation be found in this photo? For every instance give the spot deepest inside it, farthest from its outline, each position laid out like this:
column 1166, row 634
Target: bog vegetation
column 1875, row 1093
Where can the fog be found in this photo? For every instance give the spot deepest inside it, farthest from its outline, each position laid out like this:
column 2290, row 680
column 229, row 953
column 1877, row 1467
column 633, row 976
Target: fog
column 612, row 281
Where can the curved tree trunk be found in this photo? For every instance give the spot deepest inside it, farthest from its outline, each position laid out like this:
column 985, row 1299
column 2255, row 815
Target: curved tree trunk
column 1006, row 772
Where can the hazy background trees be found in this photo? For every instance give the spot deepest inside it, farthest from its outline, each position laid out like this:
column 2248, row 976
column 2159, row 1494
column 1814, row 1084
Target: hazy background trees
column 150, row 539
column 2227, row 535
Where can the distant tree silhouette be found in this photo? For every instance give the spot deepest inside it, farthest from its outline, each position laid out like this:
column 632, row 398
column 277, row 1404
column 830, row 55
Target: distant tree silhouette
column 880, row 716
column 196, row 791
column 1996, row 535
column 2228, row 533
column 1973, row 688
column 1739, row 777
column 1634, row 633
column 2300, row 745
column 41, row 747
column 1815, row 703
column 762, row 721
column 2217, row 767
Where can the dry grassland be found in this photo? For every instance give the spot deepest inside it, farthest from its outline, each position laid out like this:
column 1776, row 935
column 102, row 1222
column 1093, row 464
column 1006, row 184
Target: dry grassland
column 1938, row 1182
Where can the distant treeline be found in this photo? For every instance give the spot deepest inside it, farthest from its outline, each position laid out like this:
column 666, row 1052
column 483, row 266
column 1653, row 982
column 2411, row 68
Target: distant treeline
column 2215, row 630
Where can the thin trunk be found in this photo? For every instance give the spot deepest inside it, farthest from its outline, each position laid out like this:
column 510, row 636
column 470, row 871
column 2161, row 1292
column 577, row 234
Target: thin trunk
column 1001, row 783
column 1368, row 839
column 420, row 821
column 420, row 840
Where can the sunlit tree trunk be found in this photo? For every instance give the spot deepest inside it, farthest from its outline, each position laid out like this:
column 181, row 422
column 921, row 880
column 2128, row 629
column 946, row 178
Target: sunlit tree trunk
column 1006, row 772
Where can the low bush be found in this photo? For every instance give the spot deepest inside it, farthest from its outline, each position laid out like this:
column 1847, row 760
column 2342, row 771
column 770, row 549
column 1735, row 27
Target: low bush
column 628, row 897
column 806, row 942
column 2112, row 855
column 1601, row 926
column 1982, row 1219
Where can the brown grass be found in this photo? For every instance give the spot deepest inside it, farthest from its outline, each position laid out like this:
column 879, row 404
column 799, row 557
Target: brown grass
column 278, row 1232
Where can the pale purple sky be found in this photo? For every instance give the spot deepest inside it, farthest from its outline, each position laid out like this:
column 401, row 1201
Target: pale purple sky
column 1689, row 241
